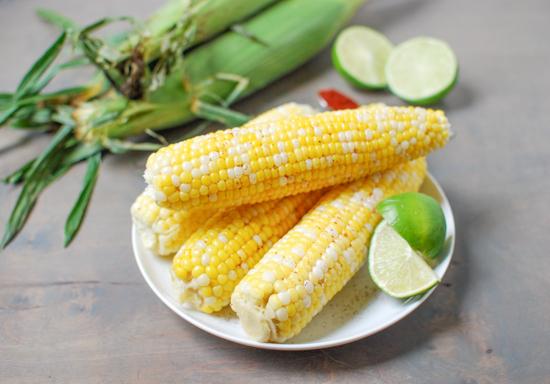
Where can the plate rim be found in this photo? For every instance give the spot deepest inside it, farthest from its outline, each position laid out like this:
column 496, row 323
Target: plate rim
column 309, row 345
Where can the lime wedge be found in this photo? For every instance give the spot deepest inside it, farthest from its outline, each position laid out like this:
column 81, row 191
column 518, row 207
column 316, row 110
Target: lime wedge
column 359, row 54
column 395, row 267
column 419, row 219
column 422, row 70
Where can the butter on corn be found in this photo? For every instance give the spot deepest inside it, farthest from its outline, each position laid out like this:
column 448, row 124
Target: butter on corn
column 219, row 253
column 163, row 231
column 270, row 160
column 314, row 260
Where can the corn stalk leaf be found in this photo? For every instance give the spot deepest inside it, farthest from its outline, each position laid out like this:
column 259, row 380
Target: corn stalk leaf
column 54, row 18
column 76, row 62
column 81, row 152
column 19, row 174
column 74, row 220
column 39, row 67
column 219, row 114
column 38, row 176
column 120, row 146
column 161, row 139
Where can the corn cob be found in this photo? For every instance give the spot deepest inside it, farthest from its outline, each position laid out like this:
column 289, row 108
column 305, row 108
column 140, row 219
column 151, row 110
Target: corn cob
column 216, row 257
column 163, row 230
column 299, row 154
column 314, row 260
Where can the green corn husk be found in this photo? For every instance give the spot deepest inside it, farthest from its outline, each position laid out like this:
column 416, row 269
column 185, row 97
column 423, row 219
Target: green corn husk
column 152, row 78
column 291, row 31
column 211, row 18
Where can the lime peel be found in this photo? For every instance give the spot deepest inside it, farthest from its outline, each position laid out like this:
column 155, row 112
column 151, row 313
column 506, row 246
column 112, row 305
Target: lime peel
column 419, row 219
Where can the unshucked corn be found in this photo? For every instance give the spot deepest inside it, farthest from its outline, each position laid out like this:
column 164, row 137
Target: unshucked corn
column 217, row 256
column 162, row 230
column 270, row 160
column 315, row 259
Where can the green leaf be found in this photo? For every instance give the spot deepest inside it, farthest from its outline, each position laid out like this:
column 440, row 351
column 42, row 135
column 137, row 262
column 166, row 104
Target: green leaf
column 60, row 136
column 155, row 135
column 222, row 115
column 5, row 99
column 103, row 22
column 63, row 116
column 38, row 120
column 41, row 84
column 81, row 152
column 39, row 67
column 19, row 174
column 7, row 113
column 120, row 146
column 54, row 18
column 74, row 220
column 38, row 176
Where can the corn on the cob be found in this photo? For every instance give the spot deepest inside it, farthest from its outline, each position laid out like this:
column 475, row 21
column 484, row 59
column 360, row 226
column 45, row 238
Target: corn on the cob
column 314, row 260
column 299, row 154
column 216, row 257
column 163, row 230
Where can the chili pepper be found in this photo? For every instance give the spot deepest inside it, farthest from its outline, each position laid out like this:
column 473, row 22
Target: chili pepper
column 333, row 99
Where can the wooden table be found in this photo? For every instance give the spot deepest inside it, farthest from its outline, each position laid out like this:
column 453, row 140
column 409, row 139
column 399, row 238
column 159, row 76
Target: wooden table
column 85, row 315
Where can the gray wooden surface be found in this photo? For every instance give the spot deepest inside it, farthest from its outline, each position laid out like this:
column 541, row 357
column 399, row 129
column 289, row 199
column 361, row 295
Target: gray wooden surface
column 85, row 315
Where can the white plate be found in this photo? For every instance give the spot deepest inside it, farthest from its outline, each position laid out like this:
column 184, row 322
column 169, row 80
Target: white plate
column 358, row 311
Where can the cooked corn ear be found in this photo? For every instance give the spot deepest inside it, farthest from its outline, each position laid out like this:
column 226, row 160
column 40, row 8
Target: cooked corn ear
column 270, row 160
column 219, row 253
column 163, row 230
column 314, row 260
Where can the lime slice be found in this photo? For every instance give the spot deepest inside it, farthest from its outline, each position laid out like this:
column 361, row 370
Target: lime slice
column 395, row 267
column 419, row 219
column 359, row 54
column 422, row 70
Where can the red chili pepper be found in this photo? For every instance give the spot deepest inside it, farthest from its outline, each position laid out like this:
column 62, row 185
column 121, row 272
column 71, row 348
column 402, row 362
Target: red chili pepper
column 331, row 98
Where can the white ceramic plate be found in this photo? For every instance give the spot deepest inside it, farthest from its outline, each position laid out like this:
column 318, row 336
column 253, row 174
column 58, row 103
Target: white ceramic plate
column 358, row 311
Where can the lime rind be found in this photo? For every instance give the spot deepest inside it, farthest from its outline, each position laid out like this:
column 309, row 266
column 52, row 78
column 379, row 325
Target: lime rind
column 419, row 219
column 422, row 70
column 395, row 267
column 359, row 54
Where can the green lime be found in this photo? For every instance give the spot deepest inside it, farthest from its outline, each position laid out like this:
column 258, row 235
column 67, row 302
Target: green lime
column 395, row 267
column 422, row 70
column 418, row 218
column 359, row 54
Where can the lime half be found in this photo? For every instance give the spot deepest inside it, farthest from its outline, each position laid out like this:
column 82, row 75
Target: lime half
column 422, row 70
column 359, row 54
column 419, row 219
column 395, row 267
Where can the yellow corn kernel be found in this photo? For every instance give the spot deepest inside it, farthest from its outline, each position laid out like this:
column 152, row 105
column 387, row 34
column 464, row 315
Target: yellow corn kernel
column 220, row 252
column 295, row 154
column 318, row 256
column 162, row 230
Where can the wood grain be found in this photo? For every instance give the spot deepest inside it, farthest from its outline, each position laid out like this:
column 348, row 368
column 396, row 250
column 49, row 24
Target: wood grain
column 84, row 314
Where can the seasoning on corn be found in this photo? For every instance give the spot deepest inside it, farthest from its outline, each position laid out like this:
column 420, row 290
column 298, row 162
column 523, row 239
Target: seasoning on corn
column 163, row 231
column 315, row 259
column 271, row 160
column 216, row 257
